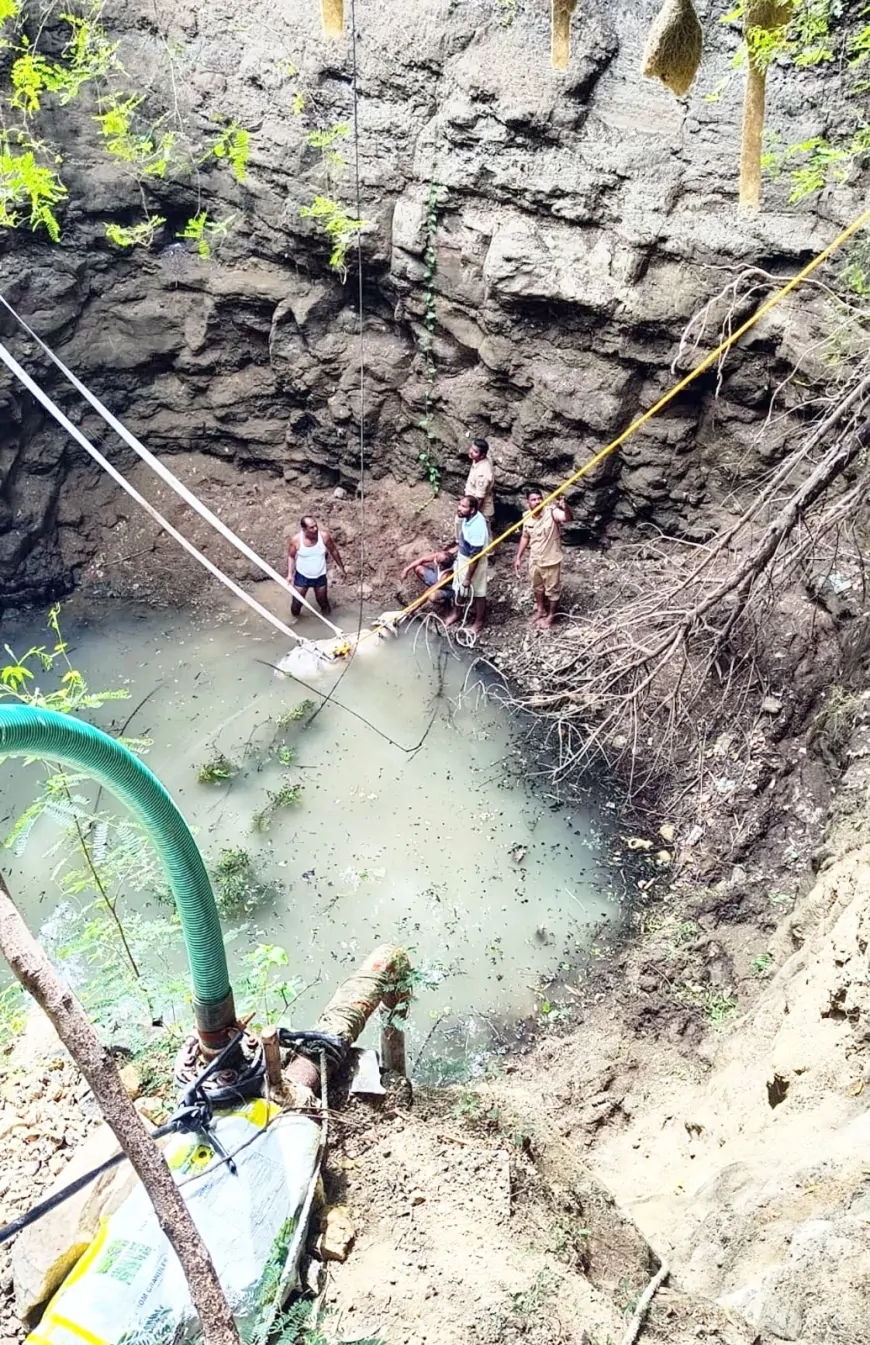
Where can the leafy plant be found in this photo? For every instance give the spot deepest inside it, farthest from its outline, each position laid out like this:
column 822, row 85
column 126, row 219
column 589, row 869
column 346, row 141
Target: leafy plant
column 529, row 1302
column 341, row 229
column 294, row 715
column 137, row 235
column 29, row 185
column 131, row 134
column 325, row 141
column 287, row 796
column 507, row 12
column 149, row 154
column 122, row 969
column 263, row 990
column 217, row 771
column 761, row 965
column 549, row 1013
column 203, row 231
column 13, row 1014
column 720, row 1007
column 468, row 1106
column 233, row 144
column 238, row 889
column 155, row 1063
column 297, row 1325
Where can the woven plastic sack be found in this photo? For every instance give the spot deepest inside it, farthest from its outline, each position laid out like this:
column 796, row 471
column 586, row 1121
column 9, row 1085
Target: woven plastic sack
column 129, row 1286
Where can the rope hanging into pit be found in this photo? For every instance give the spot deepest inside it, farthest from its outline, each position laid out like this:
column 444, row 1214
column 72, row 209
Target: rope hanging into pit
column 75, row 433
column 724, row 346
column 361, row 316
column 163, row 471
column 361, row 491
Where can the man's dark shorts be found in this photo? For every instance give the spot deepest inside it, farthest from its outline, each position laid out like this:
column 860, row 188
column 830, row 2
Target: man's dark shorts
column 301, row 581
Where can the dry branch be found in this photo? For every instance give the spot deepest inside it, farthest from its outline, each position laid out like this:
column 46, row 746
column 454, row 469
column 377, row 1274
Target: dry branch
column 54, row 997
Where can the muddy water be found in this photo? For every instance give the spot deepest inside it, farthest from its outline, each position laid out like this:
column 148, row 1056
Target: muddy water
column 387, row 843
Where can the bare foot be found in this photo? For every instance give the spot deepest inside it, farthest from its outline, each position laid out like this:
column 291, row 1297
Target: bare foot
column 546, row 622
column 476, row 628
column 452, row 619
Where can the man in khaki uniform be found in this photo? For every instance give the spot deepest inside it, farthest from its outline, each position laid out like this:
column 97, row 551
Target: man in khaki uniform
column 542, row 538
column 481, row 479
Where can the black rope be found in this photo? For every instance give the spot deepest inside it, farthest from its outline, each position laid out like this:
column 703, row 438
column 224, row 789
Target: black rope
column 355, row 713
column 194, row 1113
column 362, row 367
column 361, row 307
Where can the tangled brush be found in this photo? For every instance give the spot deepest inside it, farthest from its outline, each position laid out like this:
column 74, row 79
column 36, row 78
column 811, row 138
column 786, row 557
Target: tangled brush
column 674, row 45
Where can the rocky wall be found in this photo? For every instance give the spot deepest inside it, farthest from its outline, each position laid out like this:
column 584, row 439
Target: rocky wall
column 582, row 218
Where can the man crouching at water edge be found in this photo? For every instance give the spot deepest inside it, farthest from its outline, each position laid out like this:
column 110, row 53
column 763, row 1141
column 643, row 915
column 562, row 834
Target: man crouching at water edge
column 431, row 569
column 307, row 555
column 469, row 572
column 542, row 537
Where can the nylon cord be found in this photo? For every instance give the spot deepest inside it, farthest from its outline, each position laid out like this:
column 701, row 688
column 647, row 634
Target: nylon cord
column 361, row 511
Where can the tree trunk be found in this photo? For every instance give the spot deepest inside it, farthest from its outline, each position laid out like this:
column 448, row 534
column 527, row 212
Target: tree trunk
column 753, row 131
column 54, row 997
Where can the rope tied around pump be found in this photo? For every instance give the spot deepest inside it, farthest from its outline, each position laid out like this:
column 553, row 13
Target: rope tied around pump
column 220, row 1084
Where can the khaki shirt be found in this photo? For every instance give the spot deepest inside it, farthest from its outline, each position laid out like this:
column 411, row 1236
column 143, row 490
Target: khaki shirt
column 480, row 483
column 545, row 538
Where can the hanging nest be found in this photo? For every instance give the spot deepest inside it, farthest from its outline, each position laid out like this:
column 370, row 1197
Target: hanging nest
column 768, row 14
column 562, row 11
column 673, row 48
column 333, row 17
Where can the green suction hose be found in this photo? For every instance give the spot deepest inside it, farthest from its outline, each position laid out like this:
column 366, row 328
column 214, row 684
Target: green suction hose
column 29, row 732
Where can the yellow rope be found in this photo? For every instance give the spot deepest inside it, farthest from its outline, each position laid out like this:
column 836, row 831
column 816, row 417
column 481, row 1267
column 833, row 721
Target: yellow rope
column 662, row 402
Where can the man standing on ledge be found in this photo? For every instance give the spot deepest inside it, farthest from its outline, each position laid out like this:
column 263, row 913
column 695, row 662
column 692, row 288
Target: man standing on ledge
column 542, row 537
column 307, row 555
column 481, row 479
column 469, row 570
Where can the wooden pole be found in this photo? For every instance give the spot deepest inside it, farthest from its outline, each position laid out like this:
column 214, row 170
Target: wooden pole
column 57, row 1001
column 752, row 136
column 765, row 16
column 272, row 1054
column 393, row 1049
column 333, row 17
column 561, row 35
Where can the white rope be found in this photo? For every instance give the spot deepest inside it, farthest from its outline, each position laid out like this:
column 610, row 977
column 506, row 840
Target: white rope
column 163, row 471
column 632, row 1331
column 42, row 397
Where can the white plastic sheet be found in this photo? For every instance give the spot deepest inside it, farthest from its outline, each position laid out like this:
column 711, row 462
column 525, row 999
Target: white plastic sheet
column 129, row 1288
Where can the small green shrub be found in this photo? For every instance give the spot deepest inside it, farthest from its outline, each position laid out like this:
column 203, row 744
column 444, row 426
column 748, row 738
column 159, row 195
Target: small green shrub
column 287, row 796
column 238, row 889
column 340, row 227
column 296, row 713
column 217, row 771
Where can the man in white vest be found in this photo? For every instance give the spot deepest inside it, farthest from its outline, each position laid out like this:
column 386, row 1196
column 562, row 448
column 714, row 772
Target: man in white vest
column 307, row 556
